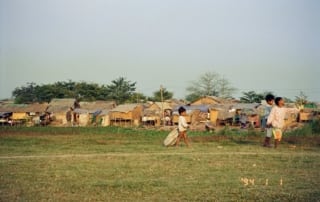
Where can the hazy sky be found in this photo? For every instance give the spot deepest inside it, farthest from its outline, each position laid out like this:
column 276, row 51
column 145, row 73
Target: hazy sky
column 260, row 45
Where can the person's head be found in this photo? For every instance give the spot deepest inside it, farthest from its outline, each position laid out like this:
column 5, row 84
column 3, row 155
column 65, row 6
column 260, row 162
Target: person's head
column 279, row 101
column 269, row 99
column 181, row 110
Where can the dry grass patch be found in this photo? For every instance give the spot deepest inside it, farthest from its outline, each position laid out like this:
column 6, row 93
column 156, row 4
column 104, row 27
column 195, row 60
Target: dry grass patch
column 127, row 166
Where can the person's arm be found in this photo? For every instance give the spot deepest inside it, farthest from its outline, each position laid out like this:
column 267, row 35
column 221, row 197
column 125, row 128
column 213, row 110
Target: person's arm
column 271, row 117
column 292, row 110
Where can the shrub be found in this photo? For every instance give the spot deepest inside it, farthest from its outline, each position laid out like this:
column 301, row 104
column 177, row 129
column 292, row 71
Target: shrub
column 312, row 128
column 315, row 126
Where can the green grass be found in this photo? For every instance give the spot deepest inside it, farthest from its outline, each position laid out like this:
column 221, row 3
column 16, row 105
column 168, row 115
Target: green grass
column 122, row 164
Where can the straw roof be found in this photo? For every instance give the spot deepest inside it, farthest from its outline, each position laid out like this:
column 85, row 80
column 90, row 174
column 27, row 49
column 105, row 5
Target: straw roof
column 60, row 105
column 23, row 108
column 124, row 108
column 165, row 105
column 207, row 100
column 97, row 107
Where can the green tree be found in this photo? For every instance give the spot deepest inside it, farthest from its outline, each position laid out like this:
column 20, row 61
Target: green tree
column 45, row 93
column 121, row 90
column 252, row 97
column 63, row 89
column 192, row 97
column 88, row 91
column 165, row 94
column 102, row 93
column 137, row 98
column 210, row 84
column 26, row 94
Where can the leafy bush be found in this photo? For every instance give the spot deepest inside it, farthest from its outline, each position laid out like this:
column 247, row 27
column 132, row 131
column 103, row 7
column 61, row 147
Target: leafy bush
column 315, row 126
column 312, row 128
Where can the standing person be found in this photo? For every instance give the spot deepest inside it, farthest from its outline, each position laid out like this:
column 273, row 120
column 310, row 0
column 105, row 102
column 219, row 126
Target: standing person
column 270, row 100
column 276, row 119
column 182, row 127
column 69, row 116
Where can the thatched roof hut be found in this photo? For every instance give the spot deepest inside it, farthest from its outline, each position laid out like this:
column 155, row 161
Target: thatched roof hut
column 195, row 113
column 126, row 113
column 155, row 112
column 60, row 105
column 25, row 108
column 24, row 113
column 93, row 112
column 96, row 106
column 59, row 108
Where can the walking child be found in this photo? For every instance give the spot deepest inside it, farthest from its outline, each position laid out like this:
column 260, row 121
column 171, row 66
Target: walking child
column 276, row 119
column 270, row 100
column 182, row 127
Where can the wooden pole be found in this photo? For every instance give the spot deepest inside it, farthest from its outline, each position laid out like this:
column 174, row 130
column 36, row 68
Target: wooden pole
column 161, row 93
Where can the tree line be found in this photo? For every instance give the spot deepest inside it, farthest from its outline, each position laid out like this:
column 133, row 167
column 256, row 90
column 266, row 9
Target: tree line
column 123, row 90
column 120, row 90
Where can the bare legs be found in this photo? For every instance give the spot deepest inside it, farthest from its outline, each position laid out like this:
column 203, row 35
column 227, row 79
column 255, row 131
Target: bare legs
column 183, row 135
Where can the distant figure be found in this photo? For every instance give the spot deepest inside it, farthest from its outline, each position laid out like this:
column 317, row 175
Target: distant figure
column 243, row 120
column 69, row 116
column 76, row 104
column 270, row 100
column 276, row 119
column 182, row 127
column 167, row 118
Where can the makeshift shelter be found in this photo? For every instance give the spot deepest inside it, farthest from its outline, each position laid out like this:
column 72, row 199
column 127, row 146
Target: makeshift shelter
column 18, row 111
column 105, row 117
column 126, row 114
column 157, row 111
column 58, row 109
column 213, row 116
column 221, row 114
column 151, row 117
column 38, row 113
column 24, row 113
column 5, row 118
column 175, row 102
column 158, row 106
column 249, row 112
column 6, row 112
column 308, row 114
column 94, row 113
column 195, row 113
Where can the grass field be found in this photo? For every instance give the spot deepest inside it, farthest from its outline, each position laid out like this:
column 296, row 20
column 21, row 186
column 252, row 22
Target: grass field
column 116, row 164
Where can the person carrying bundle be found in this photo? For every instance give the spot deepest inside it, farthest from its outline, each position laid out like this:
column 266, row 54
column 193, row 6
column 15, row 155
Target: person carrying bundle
column 182, row 127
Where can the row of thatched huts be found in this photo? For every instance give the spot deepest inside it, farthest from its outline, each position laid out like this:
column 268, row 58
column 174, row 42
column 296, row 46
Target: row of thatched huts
column 53, row 113
column 104, row 113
